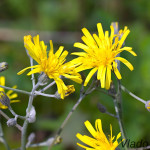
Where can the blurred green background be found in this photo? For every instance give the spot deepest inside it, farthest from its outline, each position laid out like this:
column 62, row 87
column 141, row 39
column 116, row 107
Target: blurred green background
column 62, row 21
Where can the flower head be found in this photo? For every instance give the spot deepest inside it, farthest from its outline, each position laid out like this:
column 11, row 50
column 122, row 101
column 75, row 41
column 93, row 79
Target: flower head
column 52, row 64
column 99, row 140
column 10, row 93
column 100, row 54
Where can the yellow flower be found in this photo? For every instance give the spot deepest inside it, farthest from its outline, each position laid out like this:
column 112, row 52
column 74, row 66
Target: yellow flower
column 10, row 93
column 101, row 54
column 52, row 64
column 99, row 140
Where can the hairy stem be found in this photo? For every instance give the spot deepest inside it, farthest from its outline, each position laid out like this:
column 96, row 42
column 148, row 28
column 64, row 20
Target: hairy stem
column 24, row 128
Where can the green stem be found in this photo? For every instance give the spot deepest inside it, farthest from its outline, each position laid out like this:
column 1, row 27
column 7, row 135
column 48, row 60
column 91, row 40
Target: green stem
column 118, row 109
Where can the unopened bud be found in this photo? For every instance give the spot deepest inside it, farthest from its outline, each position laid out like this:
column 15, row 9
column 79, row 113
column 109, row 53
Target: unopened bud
column 147, row 105
column 43, row 78
column 3, row 66
column 32, row 115
column 101, row 108
column 4, row 99
column 11, row 122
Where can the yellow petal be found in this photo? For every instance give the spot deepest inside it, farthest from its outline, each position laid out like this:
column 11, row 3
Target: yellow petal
column 3, row 106
column 90, row 128
column 108, row 77
column 2, row 80
column 51, row 50
column 98, row 41
column 85, row 147
column 88, row 35
column 123, row 38
column 73, row 78
column 112, row 34
column 129, row 49
column 63, row 56
column 36, row 40
column 86, row 139
column 59, row 51
column 36, row 70
column 128, row 64
column 116, row 71
column 82, row 54
column 100, row 70
column 103, row 78
column 14, row 101
column 82, row 46
column 13, row 96
column 100, row 31
column 89, row 43
column 23, row 70
column 90, row 76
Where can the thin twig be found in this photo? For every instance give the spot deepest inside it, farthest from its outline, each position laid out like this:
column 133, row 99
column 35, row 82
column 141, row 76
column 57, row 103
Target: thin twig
column 16, row 90
column 31, row 63
column 16, row 115
column 133, row 95
column 43, row 94
column 48, row 86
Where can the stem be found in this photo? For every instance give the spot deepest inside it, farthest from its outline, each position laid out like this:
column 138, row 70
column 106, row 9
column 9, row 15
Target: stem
column 131, row 94
column 118, row 109
column 31, row 63
column 3, row 139
column 24, row 128
column 18, row 116
column 66, row 120
column 31, row 98
column 23, row 135
column 16, row 90
column 43, row 94
column 48, row 86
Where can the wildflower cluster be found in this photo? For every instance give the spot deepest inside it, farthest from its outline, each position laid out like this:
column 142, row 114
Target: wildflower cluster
column 100, row 54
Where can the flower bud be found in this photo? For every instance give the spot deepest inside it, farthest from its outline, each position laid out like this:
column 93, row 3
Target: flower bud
column 147, row 105
column 32, row 115
column 11, row 122
column 4, row 99
column 43, row 78
column 101, row 108
column 3, row 66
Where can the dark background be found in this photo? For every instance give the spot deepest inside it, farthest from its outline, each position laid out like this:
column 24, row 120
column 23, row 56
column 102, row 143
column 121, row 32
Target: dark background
column 62, row 21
